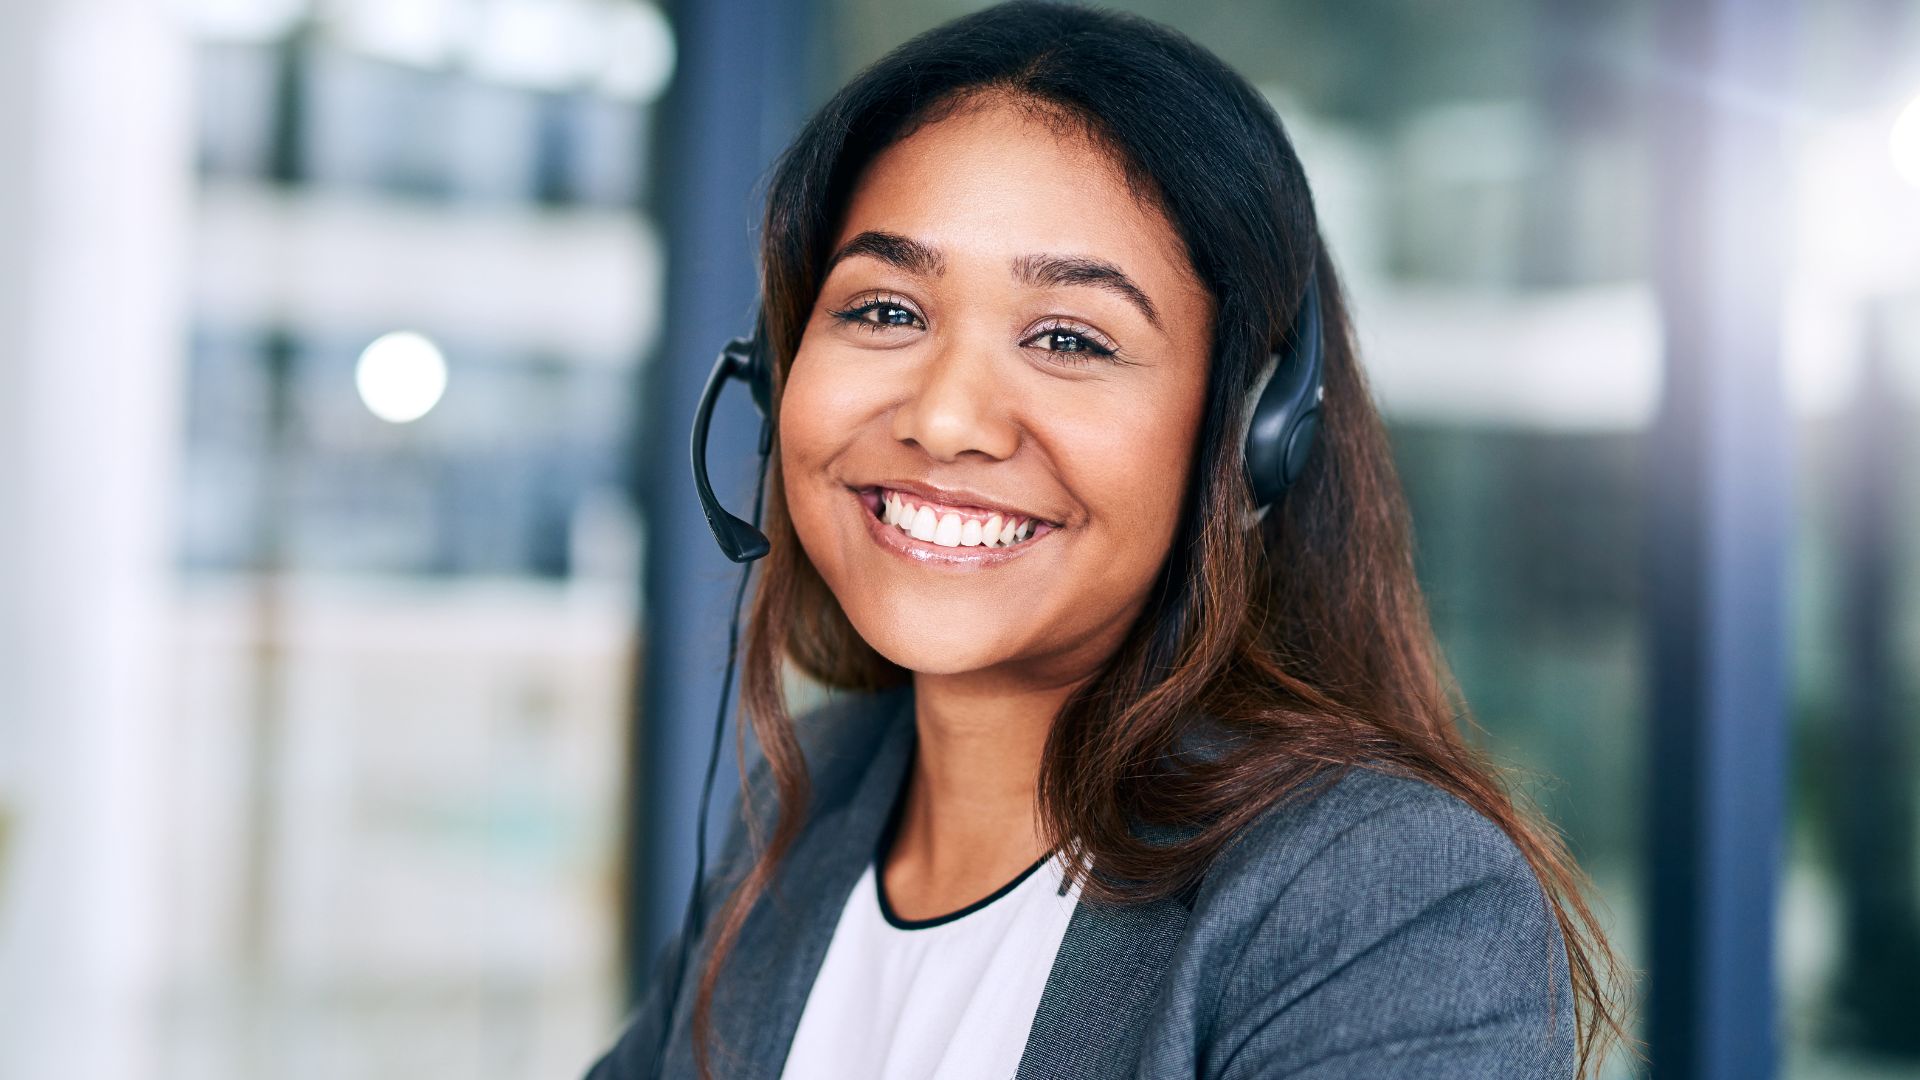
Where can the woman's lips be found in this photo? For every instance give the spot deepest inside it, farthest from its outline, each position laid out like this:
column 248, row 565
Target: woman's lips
column 866, row 504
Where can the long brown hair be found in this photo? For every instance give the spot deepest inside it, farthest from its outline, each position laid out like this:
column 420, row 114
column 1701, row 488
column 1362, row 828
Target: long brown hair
column 1307, row 639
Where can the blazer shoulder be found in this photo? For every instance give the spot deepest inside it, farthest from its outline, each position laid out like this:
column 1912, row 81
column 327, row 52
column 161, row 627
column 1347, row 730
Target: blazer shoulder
column 1386, row 889
column 1377, row 826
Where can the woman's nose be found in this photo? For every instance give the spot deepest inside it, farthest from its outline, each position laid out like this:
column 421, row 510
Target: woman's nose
column 959, row 404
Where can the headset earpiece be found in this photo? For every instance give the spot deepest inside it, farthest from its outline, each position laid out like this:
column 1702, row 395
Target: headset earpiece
column 1286, row 415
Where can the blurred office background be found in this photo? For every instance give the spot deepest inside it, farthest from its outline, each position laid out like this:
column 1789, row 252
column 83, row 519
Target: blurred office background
column 359, row 636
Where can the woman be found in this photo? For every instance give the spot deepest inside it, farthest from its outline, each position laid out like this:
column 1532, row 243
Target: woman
column 1120, row 777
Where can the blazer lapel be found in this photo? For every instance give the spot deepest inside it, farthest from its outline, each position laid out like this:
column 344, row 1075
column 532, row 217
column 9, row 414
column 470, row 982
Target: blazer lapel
column 1107, row 976
column 1105, row 979
column 784, row 941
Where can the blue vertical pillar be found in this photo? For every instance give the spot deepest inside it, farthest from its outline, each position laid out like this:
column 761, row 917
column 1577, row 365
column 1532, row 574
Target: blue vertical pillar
column 1718, row 531
column 739, row 80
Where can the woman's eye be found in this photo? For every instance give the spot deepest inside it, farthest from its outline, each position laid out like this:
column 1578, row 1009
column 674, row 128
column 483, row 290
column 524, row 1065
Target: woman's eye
column 887, row 314
column 1074, row 344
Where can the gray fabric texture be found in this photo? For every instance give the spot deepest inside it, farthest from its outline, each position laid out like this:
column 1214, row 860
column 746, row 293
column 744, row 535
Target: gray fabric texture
column 1380, row 928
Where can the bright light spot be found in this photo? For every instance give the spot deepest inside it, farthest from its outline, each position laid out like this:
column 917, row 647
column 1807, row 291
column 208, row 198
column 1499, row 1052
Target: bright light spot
column 401, row 376
column 1905, row 143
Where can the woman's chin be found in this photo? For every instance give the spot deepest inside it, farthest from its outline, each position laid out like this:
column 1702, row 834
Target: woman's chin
column 931, row 650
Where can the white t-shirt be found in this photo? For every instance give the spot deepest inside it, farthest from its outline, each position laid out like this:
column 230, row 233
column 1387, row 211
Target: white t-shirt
column 946, row 998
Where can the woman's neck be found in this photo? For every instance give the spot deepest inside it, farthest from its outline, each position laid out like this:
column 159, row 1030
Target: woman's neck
column 970, row 819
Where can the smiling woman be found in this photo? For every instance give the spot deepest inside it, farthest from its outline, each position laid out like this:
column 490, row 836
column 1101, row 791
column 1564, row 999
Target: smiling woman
column 1127, row 772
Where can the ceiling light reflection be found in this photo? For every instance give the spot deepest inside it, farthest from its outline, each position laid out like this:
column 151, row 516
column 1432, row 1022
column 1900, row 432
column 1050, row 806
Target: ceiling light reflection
column 401, row 376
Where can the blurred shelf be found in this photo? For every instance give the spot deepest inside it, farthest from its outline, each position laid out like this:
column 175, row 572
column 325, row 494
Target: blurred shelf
column 582, row 284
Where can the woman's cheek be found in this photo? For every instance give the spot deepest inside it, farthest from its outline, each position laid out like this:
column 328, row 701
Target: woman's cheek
column 804, row 421
column 812, row 432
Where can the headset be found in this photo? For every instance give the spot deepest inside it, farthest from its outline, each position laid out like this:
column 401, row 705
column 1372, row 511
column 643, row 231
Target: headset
column 1282, row 422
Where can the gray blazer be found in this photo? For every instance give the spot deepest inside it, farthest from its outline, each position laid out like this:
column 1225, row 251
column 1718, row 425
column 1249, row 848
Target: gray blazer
column 1380, row 928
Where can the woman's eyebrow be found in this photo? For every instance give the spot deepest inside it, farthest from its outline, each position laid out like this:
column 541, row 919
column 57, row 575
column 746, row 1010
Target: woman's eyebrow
column 1040, row 271
column 1048, row 270
column 902, row 251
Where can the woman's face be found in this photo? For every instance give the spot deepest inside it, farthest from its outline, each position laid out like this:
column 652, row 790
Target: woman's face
column 957, row 362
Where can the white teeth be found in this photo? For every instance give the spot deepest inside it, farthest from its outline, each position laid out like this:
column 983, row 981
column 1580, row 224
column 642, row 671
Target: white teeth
column 903, row 515
column 923, row 524
column 947, row 534
column 951, row 529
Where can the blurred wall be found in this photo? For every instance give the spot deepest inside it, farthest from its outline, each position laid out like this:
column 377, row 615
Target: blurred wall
column 91, row 94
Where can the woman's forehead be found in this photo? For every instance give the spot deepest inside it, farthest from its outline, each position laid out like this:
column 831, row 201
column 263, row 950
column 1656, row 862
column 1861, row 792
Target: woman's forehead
column 995, row 184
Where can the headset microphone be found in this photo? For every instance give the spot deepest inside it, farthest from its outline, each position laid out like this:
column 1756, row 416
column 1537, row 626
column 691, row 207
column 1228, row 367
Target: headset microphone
column 743, row 542
column 742, row 359
column 1281, row 430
